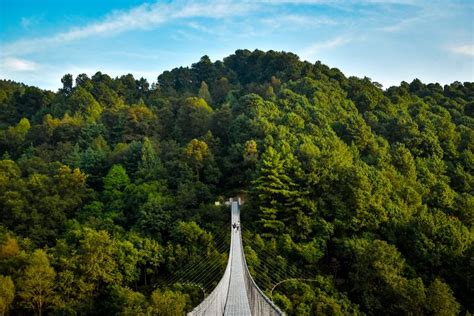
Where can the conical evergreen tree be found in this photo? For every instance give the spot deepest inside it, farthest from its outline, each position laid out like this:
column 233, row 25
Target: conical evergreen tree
column 281, row 200
column 273, row 189
column 204, row 93
column 150, row 166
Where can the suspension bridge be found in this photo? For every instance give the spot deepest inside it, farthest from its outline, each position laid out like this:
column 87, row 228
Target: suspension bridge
column 236, row 293
column 223, row 277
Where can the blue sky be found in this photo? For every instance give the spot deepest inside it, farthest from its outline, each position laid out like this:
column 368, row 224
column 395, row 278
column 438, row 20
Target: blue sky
column 386, row 40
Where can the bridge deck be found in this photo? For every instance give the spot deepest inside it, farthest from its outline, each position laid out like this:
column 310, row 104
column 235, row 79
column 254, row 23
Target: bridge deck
column 237, row 299
column 236, row 293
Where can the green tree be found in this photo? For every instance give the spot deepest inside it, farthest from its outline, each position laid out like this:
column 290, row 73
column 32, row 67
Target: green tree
column 274, row 190
column 36, row 283
column 140, row 122
column 250, row 153
column 204, row 93
column 40, row 204
column 403, row 161
column 9, row 248
column 220, row 123
column 84, row 104
column 194, row 117
column 115, row 183
column 7, row 293
column 192, row 238
column 149, row 158
column 67, row 81
column 75, row 291
column 155, row 215
column 126, row 257
column 97, row 257
column 151, row 257
column 168, row 303
column 440, row 300
column 220, row 90
column 16, row 135
column 196, row 152
column 127, row 302
column 150, row 166
column 435, row 240
column 377, row 278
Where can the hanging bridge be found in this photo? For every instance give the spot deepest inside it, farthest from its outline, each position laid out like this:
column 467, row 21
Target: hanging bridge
column 236, row 293
column 222, row 275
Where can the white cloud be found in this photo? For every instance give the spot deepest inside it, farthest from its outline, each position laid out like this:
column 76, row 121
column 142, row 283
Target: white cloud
column 311, row 51
column 13, row 64
column 467, row 50
column 202, row 28
column 150, row 15
column 145, row 16
column 339, row 2
column 298, row 21
column 400, row 25
column 427, row 15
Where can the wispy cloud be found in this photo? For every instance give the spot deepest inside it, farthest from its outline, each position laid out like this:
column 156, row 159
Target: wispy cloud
column 466, row 50
column 145, row 16
column 400, row 25
column 163, row 34
column 299, row 21
column 311, row 51
column 151, row 15
column 339, row 2
column 12, row 64
column 426, row 14
column 201, row 28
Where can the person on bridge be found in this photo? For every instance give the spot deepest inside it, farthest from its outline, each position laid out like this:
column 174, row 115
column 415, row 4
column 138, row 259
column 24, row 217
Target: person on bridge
column 234, row 226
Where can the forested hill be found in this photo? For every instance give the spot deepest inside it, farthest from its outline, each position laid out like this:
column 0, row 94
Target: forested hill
column 108, row 186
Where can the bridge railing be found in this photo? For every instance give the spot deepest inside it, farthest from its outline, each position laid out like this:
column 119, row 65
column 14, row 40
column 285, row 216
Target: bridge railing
column 259, row 303
column 214, row 304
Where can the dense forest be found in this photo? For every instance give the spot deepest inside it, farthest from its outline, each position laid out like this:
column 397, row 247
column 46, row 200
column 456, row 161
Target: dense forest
column 358, row 199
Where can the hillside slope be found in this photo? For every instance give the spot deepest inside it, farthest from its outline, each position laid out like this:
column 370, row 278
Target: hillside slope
column 107, row 186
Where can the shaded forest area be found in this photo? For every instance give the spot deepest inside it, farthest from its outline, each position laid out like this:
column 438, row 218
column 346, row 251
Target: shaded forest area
column 107, row 186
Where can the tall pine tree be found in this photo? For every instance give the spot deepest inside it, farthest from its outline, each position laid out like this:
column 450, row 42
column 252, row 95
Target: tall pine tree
column 274, row 190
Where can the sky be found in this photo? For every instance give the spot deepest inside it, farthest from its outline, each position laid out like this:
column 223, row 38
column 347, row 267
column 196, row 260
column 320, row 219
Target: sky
column 388, row 41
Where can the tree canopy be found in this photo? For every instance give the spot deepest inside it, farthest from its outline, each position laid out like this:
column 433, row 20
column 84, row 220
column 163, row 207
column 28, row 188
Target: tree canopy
column 358, row 199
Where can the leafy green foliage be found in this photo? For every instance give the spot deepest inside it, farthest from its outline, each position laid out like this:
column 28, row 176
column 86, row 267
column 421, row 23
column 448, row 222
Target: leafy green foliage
column 7, row 293
column 36, row 285
column 358, row 200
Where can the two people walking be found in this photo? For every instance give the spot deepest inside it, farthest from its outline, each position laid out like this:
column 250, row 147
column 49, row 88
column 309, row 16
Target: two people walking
column 236, row 225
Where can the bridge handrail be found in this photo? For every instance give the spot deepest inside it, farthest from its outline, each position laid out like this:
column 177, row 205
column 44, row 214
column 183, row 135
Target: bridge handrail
column 218, row 297
column 215, row 303
column 253, row 286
